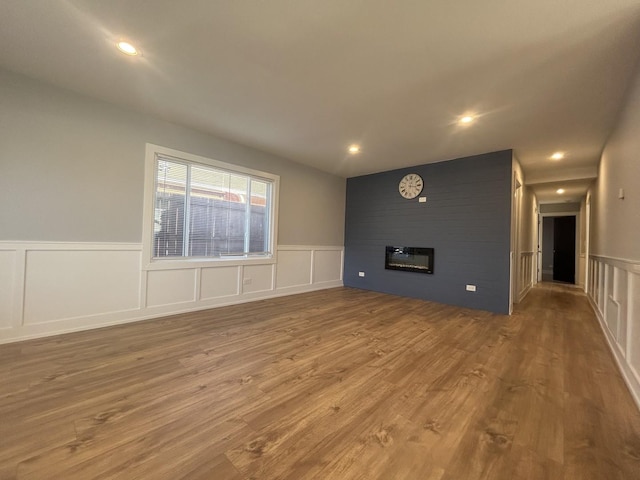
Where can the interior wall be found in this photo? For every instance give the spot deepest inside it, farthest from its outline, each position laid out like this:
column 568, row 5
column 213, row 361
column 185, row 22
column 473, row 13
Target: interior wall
column 72, row 170
column 72, row 184
column 524, row 235
column 560, row 208
column 466, row 218
column 528, row 241
column 614, row 262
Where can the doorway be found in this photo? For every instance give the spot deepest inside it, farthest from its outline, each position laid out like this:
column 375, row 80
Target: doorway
column 564, row 249
column 559, row 249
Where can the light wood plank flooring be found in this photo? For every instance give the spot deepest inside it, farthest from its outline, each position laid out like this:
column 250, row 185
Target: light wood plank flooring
column 336, row 384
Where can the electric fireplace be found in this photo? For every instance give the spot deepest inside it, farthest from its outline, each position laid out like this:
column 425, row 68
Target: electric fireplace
column 410, row 259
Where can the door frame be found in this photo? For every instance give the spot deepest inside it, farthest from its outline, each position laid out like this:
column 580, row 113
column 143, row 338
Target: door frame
column 576, row 240
column 587, row 243
column 562, row 245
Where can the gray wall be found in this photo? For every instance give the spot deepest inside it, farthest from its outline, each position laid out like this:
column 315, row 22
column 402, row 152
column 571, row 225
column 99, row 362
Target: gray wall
column 615, row 223
column 559, row 207
column 466, row 219
column 71, row 169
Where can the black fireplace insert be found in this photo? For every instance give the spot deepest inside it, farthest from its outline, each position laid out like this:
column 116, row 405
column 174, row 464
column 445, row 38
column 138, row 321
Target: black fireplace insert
column 410, row 259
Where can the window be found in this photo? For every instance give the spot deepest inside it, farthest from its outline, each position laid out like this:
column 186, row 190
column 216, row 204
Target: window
column 204, row 209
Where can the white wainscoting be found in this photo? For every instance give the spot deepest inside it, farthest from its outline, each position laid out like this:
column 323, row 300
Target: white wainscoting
column 582, row 265
column 526, row 268
column 613, row 288
column 52, row 288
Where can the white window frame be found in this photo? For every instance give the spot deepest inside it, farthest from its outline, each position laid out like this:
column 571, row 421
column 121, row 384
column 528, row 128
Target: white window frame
column 167, row 263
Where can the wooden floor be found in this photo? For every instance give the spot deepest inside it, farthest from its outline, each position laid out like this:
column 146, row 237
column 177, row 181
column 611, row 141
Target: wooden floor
column 338, row 384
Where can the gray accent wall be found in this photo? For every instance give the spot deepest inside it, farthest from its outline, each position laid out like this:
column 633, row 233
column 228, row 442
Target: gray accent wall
column 466, row 219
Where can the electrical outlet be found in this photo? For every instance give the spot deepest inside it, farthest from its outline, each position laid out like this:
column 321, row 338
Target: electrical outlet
column 422, row 199
column 471, row 288
column 361, row 274
column 246, row 281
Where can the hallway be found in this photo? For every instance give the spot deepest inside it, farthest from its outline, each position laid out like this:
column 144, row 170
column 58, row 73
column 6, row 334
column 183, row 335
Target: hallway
column 600, row 424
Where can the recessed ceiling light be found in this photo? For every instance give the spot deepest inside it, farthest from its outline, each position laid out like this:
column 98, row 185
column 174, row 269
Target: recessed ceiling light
column 353, row 149
column 557, row 156
column 466, row 120
column 560, row 191
column 127, row 48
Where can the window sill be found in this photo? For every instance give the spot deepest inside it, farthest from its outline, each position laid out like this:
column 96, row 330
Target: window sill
column 182, row 263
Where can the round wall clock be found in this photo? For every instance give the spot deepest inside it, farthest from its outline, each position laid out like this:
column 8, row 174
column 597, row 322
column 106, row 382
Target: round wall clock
column 410, row 186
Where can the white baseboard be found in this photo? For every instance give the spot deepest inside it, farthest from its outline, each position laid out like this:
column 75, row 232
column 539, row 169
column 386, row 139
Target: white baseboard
column 524, row 292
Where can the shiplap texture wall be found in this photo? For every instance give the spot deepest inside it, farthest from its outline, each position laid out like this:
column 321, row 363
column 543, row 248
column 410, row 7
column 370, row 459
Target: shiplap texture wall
column 466, row 218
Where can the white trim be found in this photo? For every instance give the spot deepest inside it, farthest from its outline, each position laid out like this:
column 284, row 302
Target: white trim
column 599, row 297
column 159, row 312
column 628, row 265
column 576, row 274
column 294, row 248
column 525, row 273
column 587, row 242
column 150, row 263
column 55, row 316
column 313, row 263
column 169, row 264
column 143, row 287
column 197, row 293
column 20, row 266
column 630, row 376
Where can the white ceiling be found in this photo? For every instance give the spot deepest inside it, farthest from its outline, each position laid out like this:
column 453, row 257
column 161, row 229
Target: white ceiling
column 574, row 191
column 304, row 79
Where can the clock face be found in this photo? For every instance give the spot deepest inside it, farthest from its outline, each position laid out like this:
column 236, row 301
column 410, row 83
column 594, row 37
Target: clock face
column 411, row 185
